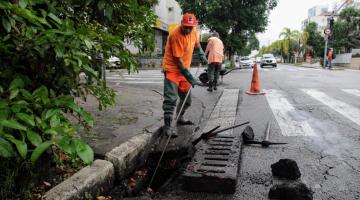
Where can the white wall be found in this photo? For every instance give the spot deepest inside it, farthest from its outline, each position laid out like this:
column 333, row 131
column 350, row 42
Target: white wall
column 355, row 51
column 168, row 11
column 344, row 58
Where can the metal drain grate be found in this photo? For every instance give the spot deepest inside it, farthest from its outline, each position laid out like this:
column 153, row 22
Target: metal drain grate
column 215, row 164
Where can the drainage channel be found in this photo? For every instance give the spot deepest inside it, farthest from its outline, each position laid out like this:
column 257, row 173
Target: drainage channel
column 137, row 184
column 215, row 162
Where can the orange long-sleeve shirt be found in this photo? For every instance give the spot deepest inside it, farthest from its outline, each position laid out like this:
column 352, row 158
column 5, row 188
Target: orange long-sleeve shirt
column 180, row 46
column 215, row 48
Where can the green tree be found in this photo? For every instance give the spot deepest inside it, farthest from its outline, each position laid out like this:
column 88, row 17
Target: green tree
column 304, row 37
column 315, row 41
column 236, row 21
column 276, row 48
column 252, row 44
column 50, row 53
column 289, row 44
column 346, row 32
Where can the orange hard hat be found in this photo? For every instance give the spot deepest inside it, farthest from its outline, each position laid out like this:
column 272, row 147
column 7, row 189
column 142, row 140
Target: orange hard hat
column 188, row 20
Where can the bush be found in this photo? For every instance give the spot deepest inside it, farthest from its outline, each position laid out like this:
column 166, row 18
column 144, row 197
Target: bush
column 51, row 52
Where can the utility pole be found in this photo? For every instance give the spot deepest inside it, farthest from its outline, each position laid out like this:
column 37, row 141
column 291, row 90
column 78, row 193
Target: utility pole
column 325, row 51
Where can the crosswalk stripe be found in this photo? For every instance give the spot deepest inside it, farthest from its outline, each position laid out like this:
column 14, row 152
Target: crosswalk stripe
column 302, row 69
column 355, row 92
column 345, row 109
column 291, row 121
column 294, row 70
column 124, row 75
column 135, row 78
column 137, row 82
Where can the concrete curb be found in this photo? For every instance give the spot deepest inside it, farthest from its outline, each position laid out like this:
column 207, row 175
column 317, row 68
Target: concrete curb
column 131, row 153
column 99, row 177
column 91, row 180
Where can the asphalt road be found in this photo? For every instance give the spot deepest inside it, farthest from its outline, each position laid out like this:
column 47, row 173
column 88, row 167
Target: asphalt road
column 316, row 111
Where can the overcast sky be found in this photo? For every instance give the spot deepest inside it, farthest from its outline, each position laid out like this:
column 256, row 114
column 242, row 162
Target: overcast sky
column 290, row 14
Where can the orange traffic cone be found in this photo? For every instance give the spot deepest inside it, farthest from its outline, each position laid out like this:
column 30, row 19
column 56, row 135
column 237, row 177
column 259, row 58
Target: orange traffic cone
column 255, row 83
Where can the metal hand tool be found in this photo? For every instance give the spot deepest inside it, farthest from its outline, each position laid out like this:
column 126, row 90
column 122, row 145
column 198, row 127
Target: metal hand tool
column 265, row 142
column 213, row 132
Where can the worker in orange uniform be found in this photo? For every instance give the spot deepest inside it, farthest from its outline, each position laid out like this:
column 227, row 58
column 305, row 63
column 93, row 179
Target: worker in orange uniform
column 179, row 49
column 215, row 49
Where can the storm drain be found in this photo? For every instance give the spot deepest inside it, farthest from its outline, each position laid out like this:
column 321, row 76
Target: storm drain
column 215, row 164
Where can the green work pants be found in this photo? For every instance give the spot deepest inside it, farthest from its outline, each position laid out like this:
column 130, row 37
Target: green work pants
column 171, row 94
column 213, row 72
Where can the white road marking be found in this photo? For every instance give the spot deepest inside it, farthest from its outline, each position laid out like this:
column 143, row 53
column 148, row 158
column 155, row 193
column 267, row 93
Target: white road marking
column 136, row 75
column 137, row 82
column 291, row 121
column 293, row 70
column 131, row 75
column 143, row 77
column 355, row 92
column 302, row 69
column 352, row 70
column 135, row 78
column 345, row 109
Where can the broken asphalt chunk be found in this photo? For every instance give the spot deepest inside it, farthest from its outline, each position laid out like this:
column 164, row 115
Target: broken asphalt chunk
column 286, row 168
column 293, row 191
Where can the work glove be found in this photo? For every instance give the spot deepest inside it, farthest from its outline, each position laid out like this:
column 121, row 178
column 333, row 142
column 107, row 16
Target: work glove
column 189, row 77
column 202, row 56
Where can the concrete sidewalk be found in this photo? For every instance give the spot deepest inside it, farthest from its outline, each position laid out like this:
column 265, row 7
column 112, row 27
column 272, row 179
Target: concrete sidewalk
column 136, row 111
column 126, row 133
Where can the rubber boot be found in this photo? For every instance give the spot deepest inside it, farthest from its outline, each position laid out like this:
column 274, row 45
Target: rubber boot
column 167, row 129
column 215, row 88
column 210, row 87
column 183, row 121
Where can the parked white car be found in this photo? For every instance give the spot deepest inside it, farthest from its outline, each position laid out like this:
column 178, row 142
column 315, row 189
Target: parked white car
column 258, row 59
column 268, row 60
column 246, row 62
column 114, row 61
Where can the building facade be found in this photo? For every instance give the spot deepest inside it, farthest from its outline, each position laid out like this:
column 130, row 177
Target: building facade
column 317, row 14
column 320, row 14
column 169, row 15
column 317, row 10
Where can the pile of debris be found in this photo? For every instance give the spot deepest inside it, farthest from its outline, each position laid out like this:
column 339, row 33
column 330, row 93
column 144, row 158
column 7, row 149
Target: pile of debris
column 294, row 189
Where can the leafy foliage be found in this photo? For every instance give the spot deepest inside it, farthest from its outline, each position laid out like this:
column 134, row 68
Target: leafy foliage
column 252, row 44
column 53, row 51
column 289, row 42
column 236, row 21
column 346, row 33
column 286, row 46
column 315, row 40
